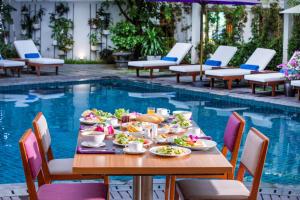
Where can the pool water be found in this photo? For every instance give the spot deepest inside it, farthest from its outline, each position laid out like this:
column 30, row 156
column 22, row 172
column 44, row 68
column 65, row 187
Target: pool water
column 62, row 106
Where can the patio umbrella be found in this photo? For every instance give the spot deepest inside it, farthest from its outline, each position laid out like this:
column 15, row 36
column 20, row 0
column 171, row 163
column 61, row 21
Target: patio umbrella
column 203, row 4
column 293, row 10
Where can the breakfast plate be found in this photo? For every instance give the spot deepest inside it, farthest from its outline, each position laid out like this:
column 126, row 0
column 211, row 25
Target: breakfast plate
column 198, row 145
column 170, row 151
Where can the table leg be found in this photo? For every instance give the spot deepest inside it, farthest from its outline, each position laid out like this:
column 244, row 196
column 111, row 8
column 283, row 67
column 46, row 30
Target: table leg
column 147, row 187
column 137, row 188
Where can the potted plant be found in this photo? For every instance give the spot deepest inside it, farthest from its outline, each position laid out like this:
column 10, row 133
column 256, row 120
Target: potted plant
column 107, row 56
column 23, row 29
column 94, row 41
column 94, row 23
column 106, row 23
column 37, row 18
column 152, row 44
column 24, row 10
column 61, row 9
column 291, row 71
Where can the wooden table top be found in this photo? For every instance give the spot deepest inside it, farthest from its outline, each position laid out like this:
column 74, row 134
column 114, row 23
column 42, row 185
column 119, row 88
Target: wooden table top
column 197, row 163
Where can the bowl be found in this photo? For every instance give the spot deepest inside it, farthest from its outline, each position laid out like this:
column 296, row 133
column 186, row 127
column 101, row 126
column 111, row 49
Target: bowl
column 186, row 114
column 93, row 136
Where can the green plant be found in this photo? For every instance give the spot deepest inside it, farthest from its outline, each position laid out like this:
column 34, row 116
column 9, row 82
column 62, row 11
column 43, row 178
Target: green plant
column 61, row 9
column 24, row 9
column 152, row 42
column 294, row 42
column 38, row 16
column 8, row 50
column 125, row 36
column 94, row 22
column 94, row 38
column 6, row 19
column 106, row 56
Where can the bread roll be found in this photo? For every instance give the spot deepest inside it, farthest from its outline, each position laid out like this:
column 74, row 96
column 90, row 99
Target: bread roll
column 152, row 118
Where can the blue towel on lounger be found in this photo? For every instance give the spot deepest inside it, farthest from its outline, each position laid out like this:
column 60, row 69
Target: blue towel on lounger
column 250, row 67
column 32, row 55
column 215, row 63
column 173, row 59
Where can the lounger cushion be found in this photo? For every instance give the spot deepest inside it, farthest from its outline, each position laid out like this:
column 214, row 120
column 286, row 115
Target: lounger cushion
column 179, row 50
column 264, row 78
column 151, row 63
column 224, row 54
column 296, row 83
column 249, row 67
column 60, row 166
column 213, row 62
column 174, row 59
column 11, row 63
column 189, row 68
column 261, row 57
column 32, row 55
column 193, row 189
column 228, row 72
column 46, row 61
column 73, row 191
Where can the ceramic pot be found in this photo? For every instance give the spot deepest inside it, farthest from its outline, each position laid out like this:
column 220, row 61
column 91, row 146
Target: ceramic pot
column 288, row 89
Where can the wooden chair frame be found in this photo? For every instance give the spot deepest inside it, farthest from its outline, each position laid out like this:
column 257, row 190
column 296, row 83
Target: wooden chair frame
column 29, row 179
column 151, row 68
column 38, row 66
column 47, row 156
column 171, row 180
column 273, row 84
column 242, row 169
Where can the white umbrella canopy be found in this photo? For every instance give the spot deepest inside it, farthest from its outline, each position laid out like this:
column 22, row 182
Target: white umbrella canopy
column 293, row 10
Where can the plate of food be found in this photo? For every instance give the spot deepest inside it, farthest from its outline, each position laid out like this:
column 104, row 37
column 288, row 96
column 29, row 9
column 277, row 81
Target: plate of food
column 170, row 151
column 181, row 121
column 198, row 144
column 91, row 120
column 123, row 139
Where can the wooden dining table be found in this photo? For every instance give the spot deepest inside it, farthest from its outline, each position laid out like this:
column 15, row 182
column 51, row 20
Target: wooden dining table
column 144, row 166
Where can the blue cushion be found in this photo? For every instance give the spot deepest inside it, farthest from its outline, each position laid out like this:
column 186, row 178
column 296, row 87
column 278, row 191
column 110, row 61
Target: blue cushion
column 250, row 67
column 216, row 63
column 32, row 55
column 174, row 59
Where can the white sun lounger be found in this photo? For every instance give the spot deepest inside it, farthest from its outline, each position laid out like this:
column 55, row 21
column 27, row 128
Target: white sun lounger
column 178, row 52
column 28, row 51
column 260, row 57
column 296, row 85
column 223, row 54
column 273, row 79
column 15, row 66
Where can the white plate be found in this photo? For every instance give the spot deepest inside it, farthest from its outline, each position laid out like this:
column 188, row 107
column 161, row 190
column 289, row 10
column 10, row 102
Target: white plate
column 186, row 151
column 208, row 144
column 82, row 120
column 123, row 145
column 126, row 150
column 91, row 144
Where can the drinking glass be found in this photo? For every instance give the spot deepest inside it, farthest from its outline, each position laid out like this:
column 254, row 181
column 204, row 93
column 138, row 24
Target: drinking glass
column 150, row 110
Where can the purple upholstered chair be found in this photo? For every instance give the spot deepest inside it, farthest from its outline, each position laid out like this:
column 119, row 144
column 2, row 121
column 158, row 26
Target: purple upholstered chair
column 32, row 163
column 232, row 139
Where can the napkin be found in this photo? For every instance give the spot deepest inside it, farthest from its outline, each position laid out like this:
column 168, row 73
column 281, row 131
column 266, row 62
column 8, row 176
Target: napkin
column 83, row 150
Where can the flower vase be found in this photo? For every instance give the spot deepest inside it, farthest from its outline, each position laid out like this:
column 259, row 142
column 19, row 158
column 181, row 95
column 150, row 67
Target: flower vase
column 288, row 89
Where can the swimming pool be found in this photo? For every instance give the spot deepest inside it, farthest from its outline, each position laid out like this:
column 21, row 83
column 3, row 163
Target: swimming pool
column 62, row 105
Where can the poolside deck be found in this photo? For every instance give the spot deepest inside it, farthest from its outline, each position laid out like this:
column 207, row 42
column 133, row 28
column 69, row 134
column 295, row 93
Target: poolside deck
column 96, row 71
column 123, row 190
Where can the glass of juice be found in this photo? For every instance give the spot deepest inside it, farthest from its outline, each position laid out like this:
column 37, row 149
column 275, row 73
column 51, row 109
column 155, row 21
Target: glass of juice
column 150, row 110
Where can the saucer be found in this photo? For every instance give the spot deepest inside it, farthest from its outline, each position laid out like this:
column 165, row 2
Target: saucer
column 92, row 144
column 126, row 150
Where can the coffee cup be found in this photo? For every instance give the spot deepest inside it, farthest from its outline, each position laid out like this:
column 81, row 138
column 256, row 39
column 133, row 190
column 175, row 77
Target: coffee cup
column 163, row 111
column 135, row 146
column 113, row 121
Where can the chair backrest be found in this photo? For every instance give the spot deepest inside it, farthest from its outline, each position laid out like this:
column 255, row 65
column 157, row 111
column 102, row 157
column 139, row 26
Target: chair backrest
column 180, row 50
column 32, row 161
column 24, row 47
column 261, row 57
column 224, row 54
column 232, row 137
column 253, row 159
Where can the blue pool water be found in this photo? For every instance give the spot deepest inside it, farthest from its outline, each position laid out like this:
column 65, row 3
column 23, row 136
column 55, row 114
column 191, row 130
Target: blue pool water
column 62, row 106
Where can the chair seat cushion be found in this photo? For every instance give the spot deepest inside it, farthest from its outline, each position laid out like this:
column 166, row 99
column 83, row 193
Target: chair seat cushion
column 46, row 61
column 11, row 63
column 72, row 191
column 296, row 83
column 189, row 68
column 264, row 78
column 228, row 72
column 193, row 189
column 151, row 63
column 60, row 166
